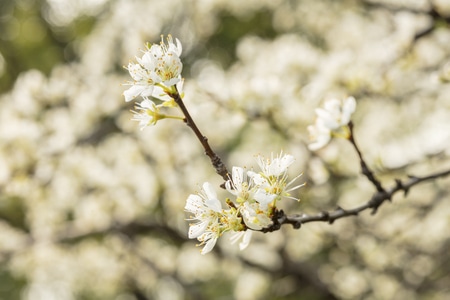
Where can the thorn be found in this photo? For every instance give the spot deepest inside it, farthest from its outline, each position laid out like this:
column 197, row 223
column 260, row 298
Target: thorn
column 389, row 198
column 325, row 215
column 406, row 192
column 374, row 210
column 405, row 189
column 339, row 209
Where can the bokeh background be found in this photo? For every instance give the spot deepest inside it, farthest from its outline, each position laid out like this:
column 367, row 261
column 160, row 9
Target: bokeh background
column 92, row 208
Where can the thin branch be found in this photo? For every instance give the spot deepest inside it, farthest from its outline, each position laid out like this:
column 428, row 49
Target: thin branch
column 364, row 168
column 217, row 163
column 379, row 197
column 302, row 273
column 437, row 19
column 71, row 235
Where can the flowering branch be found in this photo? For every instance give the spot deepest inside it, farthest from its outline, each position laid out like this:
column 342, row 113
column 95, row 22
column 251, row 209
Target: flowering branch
column 157, row 77
column 374, row 203
column 217, row 163
column 255, row 195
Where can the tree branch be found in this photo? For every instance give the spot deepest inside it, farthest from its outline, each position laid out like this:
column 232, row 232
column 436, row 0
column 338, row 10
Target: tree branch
column 364, row 168
column 217, row 163
column 71, row 235
column 378, row 198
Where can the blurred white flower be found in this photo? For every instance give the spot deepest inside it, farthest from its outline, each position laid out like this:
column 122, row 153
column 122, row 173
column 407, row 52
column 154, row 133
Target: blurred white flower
column 319, row 134
column 332, row 120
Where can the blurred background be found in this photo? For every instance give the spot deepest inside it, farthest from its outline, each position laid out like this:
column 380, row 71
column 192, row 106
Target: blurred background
column 92, row 208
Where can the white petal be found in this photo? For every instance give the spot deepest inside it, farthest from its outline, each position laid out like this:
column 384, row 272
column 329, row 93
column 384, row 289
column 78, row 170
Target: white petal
column 319, row 134
column 287, row 160
column 238, row 175
column 136, row 71
column 147, row 104
column 332, row 105
column 264, row 198
column 320, row 142
column 172, row 81
column 194, row 204
column 156, row 51
column 147, row 61
column 236, row 236
column 148, row 91
column 132, row 92
column 209, row 245
column 259, row 180
column 209, row 190
column 136, row 90
column 279, row 165
column 245, row 240
column 349, row 105
column 229, row 187
column 195, row 230
column 212, row 202
column 327, row 118
column 250, row 217
column 179, row 47
column 348, row 109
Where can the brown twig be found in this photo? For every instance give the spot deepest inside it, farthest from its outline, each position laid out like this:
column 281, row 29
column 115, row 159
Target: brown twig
column 378, row 198
column 364, row 168
column 217, row 163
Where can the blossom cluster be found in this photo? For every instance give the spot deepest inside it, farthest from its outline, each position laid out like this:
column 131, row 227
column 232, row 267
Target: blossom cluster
column 156, row 75
column 255, row 197
column 157, row 79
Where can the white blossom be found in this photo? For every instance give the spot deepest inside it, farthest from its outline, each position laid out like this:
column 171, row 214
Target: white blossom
column 167, row 61
column 239, row 185
column 272, row 180
column 332, row 120
column 206, row 209
column 143, row 84
column 147, row 114
column 208, row 239
column 160, row 65
column 320, row 135
column 275, row 166
column 253, row 206
column 254, row 217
